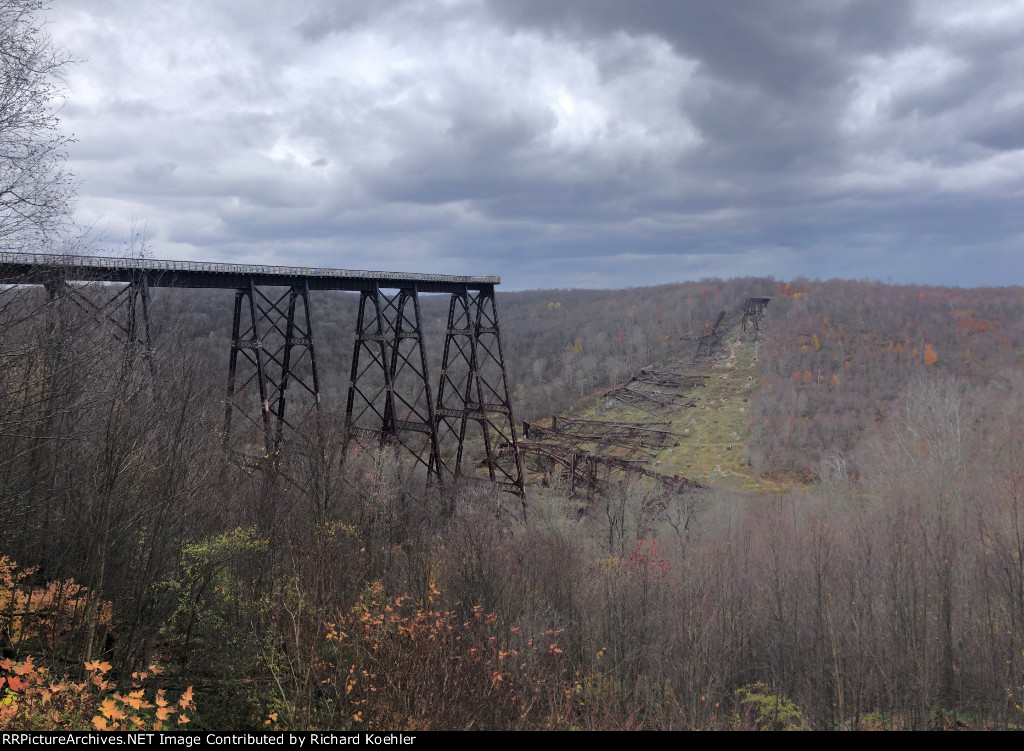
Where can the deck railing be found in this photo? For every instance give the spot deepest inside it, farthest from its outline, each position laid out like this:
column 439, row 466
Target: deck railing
column 155, row 265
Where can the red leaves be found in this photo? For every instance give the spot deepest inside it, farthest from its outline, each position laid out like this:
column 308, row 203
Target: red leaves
column 15, row 684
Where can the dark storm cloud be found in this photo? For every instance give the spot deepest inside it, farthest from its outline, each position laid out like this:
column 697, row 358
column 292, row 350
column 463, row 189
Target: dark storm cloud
column 792, row 51
column 581, row 142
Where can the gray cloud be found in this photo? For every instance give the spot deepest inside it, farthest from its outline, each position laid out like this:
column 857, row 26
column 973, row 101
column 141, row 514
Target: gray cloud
column 581, row 142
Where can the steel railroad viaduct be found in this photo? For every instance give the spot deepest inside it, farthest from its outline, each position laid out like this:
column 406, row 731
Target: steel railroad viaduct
column 391, row 398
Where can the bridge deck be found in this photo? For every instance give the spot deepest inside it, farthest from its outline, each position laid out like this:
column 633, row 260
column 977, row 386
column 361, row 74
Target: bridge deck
column 37, row 268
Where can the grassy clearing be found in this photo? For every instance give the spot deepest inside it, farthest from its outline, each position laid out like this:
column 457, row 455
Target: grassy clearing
column 711, row 436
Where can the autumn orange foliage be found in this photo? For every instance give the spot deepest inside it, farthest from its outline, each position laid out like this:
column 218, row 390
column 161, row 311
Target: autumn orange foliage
column 458, row 668
column 44, row 612
column 33, row 700
column 968, row 325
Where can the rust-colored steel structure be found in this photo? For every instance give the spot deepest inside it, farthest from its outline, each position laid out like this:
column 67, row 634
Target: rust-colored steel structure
column 753, row 312
column 273, row 352
column 592, row 451
column 709, row 337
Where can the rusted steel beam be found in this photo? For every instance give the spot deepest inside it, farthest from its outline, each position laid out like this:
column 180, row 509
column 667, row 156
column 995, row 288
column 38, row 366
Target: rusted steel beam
column 652, row 397
column 710, row 336
column 572, row 423
column 606, row 432
column 654, row 443
column 667, row 380
column 570, row 459
column 561, row 453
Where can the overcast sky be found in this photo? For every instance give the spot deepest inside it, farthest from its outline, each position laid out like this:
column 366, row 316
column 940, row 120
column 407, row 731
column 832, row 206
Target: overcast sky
column 584, row 143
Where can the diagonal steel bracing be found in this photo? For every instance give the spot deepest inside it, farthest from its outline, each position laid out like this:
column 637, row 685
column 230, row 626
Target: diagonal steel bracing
column 115, row 307
column 473, row 387
column 710, row 337
column 272, row 374
column 389, row 396
column 272, row 364
column 753, row 312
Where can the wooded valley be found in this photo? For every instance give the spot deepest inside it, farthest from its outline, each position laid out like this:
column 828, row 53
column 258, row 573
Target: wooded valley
column 857, row 561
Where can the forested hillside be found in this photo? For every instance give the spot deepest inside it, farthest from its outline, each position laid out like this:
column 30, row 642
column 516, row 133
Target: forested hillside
column 559, row 345
column 884, row 588
column 838, row 353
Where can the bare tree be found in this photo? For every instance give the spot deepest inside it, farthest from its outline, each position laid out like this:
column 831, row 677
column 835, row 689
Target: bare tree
column 35, row 186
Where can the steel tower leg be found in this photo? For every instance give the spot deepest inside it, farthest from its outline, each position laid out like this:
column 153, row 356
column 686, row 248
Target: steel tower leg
column 474, row 386
column 389, row 396
column 119, row 312
column 274, row 342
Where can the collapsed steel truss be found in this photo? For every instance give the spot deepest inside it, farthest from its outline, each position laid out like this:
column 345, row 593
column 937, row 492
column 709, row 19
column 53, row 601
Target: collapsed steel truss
column 273, row 381
column 582, row 466
column 642, row 438
column 593, row 452
column 709, row 337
